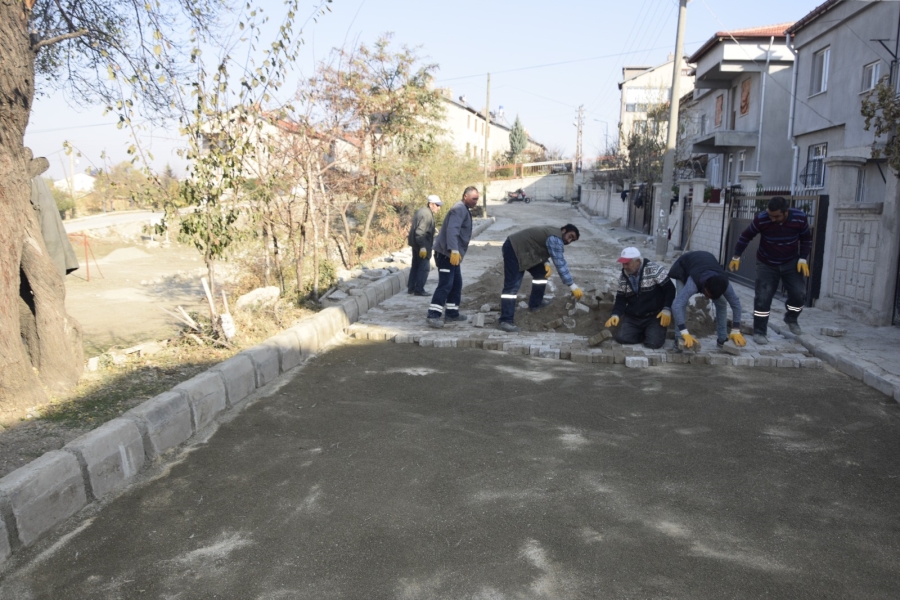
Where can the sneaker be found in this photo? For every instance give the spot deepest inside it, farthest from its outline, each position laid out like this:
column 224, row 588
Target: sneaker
column 760, row 339
column 544, row 303
column 795, row 328
column 434, row 322
column 507, row 327
column 460, row 318
column 721, row 343
column 421, row 293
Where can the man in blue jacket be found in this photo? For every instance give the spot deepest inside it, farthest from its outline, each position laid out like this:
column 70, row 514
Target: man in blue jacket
column 784, row 246
column 449, row 251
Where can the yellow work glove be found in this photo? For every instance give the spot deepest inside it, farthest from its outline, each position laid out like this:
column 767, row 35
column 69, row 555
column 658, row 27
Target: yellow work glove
column 736, row 337
column 547, row 270
column 576, row 291
column 665, row 317
column 689, row 340
column 423, row 253
column 735, row 263
column 611, row 322
column 455, row 258
column 803, row 267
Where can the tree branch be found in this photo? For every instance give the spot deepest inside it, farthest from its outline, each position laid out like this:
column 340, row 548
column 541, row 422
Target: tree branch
column 59, row 38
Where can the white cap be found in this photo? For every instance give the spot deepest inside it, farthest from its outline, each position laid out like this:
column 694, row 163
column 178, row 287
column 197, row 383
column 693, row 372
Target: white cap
column 628, row 254
column 435, row 199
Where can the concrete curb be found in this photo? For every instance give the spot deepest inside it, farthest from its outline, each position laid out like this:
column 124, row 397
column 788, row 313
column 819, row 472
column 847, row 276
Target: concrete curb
column 36, row 498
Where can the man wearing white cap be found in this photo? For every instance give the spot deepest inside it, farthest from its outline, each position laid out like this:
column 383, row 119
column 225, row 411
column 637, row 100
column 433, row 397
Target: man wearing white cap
column 643, row 307
column 421, row 238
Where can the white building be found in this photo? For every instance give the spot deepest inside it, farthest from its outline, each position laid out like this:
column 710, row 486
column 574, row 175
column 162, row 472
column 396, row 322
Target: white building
column 77, row 185
column 643, row 87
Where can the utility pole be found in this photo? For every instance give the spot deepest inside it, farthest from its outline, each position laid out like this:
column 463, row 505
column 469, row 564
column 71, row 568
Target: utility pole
column 662, row 234
column 578, row 153
column 487, row 137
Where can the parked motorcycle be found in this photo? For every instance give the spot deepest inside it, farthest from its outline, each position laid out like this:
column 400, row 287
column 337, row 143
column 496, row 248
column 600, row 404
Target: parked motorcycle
column 517, row 196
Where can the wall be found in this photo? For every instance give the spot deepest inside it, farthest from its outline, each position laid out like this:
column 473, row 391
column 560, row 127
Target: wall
column 604, row 201
column 707, row 228
column 542, row 188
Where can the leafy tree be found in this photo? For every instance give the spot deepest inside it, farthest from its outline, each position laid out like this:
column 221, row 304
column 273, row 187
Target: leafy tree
column 881, row 109
column 518, row 140
column 63, row 199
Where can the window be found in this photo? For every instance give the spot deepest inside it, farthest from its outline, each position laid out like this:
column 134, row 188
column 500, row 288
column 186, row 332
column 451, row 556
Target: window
column 742, row 155
column 639, row 127
column 713, row 171
column 468, row 121
column 745, row 97
column 813, row 176
column 636, row 107
column 819, row 81
column 871, row 75
column 720, row 102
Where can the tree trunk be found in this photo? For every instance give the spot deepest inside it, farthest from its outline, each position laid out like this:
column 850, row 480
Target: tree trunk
column 54, row 339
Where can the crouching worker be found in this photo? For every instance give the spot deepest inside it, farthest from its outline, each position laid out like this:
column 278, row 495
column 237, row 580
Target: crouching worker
column 529, row 250
column 643, row 307
column 699, row 272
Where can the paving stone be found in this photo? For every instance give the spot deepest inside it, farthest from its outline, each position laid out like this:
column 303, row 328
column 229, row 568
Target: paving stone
column 565, row 354
column 606, row 359
column 811, row 363
column 636, row 362
column 546, row 352
column 582, row 308
column 478, row 321
column 679, row 358
column 523, row 305
column 485, row 308
column 730, row 348
column 580, row 356
column 619, row 357
column 766, row 361
column 788, row 362
column 495, row 344
column 700, row 359
column 553, row 324
column 206, row 396
column 43, row 494
column 519, row 349
column 599, row 338
column 743, row 361
column 402, row 338
column 834, row 332
column 445, row 343
column 426, row 342
column 720, row 359
column 110, row 455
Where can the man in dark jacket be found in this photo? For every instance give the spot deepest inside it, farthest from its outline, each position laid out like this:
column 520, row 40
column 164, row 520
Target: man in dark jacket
column 421, row 237
column 529, row 250
column 785, row 243
column 643, row 301
column 700, row 272
column 449, row 251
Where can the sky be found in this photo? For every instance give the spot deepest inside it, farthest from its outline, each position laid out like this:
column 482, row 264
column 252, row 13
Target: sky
column 545, row 59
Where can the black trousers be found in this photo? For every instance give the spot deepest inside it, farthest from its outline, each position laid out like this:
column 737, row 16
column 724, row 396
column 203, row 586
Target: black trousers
column 637, row 330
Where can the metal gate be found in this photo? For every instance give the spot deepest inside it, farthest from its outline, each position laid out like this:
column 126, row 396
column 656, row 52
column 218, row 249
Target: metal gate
column 640, row 209
column 742, row 211
column 687, row 217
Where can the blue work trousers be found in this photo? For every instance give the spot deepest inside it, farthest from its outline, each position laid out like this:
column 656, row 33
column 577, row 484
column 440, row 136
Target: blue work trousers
column 512, row 281
column 448, row 292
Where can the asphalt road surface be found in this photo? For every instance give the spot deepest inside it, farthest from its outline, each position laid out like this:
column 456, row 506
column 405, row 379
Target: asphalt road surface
column 399, row 472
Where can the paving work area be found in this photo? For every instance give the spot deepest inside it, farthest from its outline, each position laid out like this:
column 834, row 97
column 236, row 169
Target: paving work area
column 380, row 472
column 460, row 463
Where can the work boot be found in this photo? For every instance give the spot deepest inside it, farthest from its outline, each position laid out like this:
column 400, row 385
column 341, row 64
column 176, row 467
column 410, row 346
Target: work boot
column 720, row 343
column 507, row 327
column 795, row 328
column 544, row 303
column 460, row 318
column 760, row 339
column 434, row 322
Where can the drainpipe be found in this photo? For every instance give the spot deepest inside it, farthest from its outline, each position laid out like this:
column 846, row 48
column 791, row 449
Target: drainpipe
column 791, row 138
column 762, row 103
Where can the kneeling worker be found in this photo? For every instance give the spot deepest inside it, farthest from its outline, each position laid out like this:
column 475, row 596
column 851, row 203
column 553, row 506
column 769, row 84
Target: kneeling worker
column 700, row 272
column 643, row 301
column 529, row 250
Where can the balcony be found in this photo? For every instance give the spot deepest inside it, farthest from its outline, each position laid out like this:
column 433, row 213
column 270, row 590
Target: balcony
column 722, row 142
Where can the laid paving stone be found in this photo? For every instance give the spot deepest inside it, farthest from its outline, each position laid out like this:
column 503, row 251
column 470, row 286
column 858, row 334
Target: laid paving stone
column 495, row 344
column 637, row 362
column 607, row 359
column 546, row 352
column 402, row 338
column 720, row 359
column 518, row 349
column 700, row 359
column 619, row 357
column 811, row 363
column 788, row 363
column 599, row 338
column 834, row 332
column 766, row 361
column 426, row 342
column 580, row 356
column 565, row 354
column 731, row 348
column 743, row 361
column 445, row 343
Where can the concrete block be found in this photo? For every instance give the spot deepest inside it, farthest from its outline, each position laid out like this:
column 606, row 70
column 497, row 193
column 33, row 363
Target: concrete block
column 851, row 368
column 619, row 357
column 582, row 308
column 110, row 455
column 546, row 352
column 239, row 375
column 743, row 361
column 478, row 321
column 679, row 358
column 637, row 362
column 381, row 290
column 471, row 343
column 519, row 349
column 362, row 302
column 580, row 356
column 878, row 381
column 396, row 278
column 206, row 396
column 606, row 359
column 307, row 337
column 766, row 361
column 351, row 308
column 495, row 344
column 565, row 353
column 720, row 359
column 599, row 338
column 5, row 546
column 445, row 343
column 371, row 295
column 164, row 421
column 42, row 494
column 267, row 362
column 426, row 342
column 288, row 349
column 812, row 363
column 788, row 363
column 699, row 359
column 402, row 338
